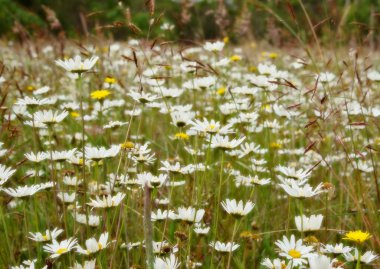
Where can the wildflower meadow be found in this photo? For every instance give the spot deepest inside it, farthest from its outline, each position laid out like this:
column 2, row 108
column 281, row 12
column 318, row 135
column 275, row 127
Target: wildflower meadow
column 145, row 152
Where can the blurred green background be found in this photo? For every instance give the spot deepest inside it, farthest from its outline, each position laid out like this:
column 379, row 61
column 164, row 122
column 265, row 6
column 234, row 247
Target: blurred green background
column 276, row 21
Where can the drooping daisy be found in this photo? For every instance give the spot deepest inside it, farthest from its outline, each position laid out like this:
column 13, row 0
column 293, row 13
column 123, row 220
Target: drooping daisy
column 223, row 142
column 87, row 265
column 5, row 173
column 93, row 245
column 150, row 180
column 336, row 249
column 224, row 247
column 210, row 127
column 275, row 264
column 237, row 209
column 49, row 235
column 305, row 191
column 367, row 258
column 321, row 261
column 107, row 201
column 214, row 46
column 312, row 223
column 50, row 117
column 97, row 154
column 166, row 263
column 39, row 157
column 189, row 214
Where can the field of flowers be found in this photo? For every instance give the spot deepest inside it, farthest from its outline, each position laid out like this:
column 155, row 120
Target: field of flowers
column 152, row 155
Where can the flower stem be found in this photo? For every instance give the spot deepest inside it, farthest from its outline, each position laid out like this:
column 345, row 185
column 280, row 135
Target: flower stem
column 148, row 227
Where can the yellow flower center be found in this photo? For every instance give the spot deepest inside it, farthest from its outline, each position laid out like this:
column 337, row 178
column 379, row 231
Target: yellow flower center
column 295, row 254
column 61, row 250
column 100, row 246
column 45, row 237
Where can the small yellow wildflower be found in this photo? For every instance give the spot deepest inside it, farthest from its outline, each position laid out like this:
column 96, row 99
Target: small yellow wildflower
column 275, row 145
column 253, row 69
column 127, row 145
column 110, row 80
column 273, row 55
column 30, row 88
column 235, row 58
column 100, row 94
column 226, row 40
column 74, row 114
column 357, row 236
column 221, row 90
column 181, row 136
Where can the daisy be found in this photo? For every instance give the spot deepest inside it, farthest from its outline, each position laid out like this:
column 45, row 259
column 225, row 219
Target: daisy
column 33, row 102
column 148, row 179
column 24, row 191
column 87, row 265
column 294, row 250
column 107, row 201
column 181, row 118
column 56, row 249
column 223, row 142
column 114, row 124
column 201, row 230
column 39, row 157
column 162, row 215
column 49, row 235
column 27, row 264
column 5, row 173
column 189, row 214
column 337, row 249
column 321, row 261
column 163, row 248
column 210, row 127
column 50, row 117
column 166, row 263
column 224, row 247
column 66, row 197
column 305, row 191
column 64, row 155
column 237, row 209
column 214, row 46
column 312, row 223
column 290, row 174
column 91, row 220
column 143, row 97
column 275, row 264
column 367, row 257
column 97, row 154
column 76, row 65
column 93, row 245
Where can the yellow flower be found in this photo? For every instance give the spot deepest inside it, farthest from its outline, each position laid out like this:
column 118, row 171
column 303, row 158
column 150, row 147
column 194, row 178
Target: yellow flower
column 74, row 114
column 100, row 94
column 110, row 80
column 226, row 40
column 127, row 145
column 30, row 88
column 253, row 69
column 168, row 67
column 221, row 91
column 357, row 236
column 273, row 55
column 181, row 136
column 235, row 58
column 275, row 145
